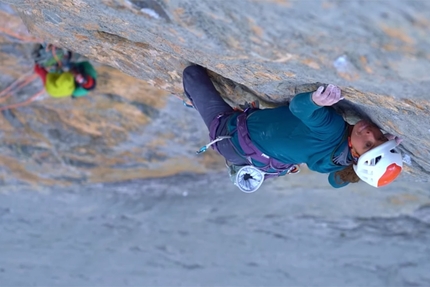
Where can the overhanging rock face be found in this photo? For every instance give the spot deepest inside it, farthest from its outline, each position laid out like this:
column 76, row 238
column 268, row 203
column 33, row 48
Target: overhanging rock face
column 377, row 52
column 124, row 130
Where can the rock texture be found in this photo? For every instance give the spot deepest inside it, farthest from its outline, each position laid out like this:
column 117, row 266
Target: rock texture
column 378, row 52
column 124, row 130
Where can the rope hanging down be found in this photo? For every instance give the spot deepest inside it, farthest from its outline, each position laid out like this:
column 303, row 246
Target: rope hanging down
column 18, row 84
column 23, row 80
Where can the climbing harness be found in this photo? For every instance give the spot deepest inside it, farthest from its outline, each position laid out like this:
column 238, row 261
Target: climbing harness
column 248, row 178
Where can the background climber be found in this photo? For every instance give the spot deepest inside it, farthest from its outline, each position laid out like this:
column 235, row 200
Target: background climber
column 61, row 74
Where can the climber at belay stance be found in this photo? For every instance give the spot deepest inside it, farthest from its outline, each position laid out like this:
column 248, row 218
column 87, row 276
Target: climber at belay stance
column 262, row 143
column 61, row 75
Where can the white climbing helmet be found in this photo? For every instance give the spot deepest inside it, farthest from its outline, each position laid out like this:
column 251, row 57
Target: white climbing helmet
column 380, row 165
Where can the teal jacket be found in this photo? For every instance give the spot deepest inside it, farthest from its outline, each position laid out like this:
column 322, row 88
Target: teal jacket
column 302, row 132
column 87, row 69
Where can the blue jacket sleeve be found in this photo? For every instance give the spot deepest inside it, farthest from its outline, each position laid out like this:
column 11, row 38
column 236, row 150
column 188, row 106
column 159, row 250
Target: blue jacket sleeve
column 321, row 120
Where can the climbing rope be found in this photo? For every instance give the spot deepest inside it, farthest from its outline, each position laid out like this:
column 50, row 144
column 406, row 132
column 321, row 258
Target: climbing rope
column 54, row 54
column 26, row 102
column 26, row 78
column 18, row 84
column 23, row 38
column 51, row 58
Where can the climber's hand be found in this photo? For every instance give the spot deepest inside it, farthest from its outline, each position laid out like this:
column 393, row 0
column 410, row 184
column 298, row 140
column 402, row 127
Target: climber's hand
column 393, row 137
column 328, row 96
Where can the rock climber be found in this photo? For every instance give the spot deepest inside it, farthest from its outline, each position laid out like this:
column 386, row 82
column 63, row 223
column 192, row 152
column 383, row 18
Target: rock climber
column 61, row 76
column 308, row 130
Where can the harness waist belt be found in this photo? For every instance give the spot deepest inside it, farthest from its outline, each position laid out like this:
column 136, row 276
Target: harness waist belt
column 253, row 153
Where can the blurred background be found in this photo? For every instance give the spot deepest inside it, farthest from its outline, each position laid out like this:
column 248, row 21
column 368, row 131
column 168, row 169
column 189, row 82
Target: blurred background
column 106, row 190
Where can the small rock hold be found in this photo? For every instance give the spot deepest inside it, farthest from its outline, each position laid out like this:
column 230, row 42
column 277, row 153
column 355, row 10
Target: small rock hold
column 342, row 64
column 150, row 13
column 407, row 159
column 150, row 8
column 52, row 17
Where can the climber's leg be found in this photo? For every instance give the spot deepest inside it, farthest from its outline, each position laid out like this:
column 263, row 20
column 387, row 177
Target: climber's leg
column 205, row 98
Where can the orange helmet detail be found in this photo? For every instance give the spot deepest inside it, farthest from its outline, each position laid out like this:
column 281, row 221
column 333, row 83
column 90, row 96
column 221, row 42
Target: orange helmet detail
column 380, row 165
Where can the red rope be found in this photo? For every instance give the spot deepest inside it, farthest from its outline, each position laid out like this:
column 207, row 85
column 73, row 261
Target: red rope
column 20, row 37
column 29, row 78
column 19, row 83
column 24, row 103
column 14, row 83
column 54, row 54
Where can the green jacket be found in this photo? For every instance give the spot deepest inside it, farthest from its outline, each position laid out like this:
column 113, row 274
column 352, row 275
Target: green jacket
column 87, row 69
column 302, row 132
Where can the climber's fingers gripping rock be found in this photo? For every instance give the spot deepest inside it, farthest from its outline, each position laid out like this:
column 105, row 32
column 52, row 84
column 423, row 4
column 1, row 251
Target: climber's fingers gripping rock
column 398, row 140
column 328, row 96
